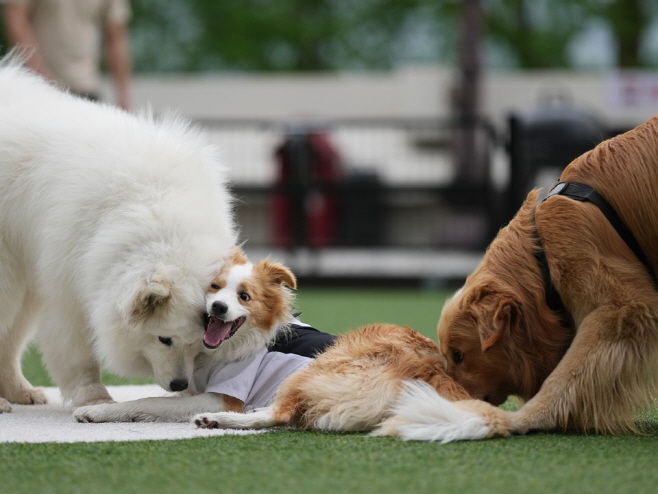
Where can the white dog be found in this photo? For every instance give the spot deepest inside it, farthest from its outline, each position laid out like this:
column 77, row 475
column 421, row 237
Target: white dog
column 111, row 228
column 248, row 307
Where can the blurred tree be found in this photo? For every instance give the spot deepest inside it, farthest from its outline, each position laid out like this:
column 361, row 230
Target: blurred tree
column 294, row 35
column 537, row 33
column 629, row 20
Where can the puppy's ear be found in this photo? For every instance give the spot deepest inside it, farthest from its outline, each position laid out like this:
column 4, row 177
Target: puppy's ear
column 505, row 320
column 155, row 294
column 277, row 273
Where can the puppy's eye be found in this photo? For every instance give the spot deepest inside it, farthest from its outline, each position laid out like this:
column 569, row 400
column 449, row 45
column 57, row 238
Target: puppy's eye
column 457, row 356
column 166, row 341
column 214, row 286
column 244, row 296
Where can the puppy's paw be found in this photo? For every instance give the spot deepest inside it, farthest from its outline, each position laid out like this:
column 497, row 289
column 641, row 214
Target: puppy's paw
column 5, row 407
column 205, row 421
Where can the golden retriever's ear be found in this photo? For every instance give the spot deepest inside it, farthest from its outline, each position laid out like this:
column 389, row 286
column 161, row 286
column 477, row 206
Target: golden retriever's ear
column 277, row 273
column 505, row 321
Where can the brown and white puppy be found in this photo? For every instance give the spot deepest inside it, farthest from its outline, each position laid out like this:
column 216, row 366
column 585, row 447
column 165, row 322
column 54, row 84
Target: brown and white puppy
column 248, row 306
column 501, row 338
column 354, row 385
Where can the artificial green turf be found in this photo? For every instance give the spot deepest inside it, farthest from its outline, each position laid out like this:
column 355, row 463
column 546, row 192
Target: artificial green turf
column 294, row 462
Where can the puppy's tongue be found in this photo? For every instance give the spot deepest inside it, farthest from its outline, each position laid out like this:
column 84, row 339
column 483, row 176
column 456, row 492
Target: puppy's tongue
column 216, row 332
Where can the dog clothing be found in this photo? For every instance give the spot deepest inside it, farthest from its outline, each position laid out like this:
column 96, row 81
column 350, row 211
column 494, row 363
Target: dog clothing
column 256, row 380
column 303, row 340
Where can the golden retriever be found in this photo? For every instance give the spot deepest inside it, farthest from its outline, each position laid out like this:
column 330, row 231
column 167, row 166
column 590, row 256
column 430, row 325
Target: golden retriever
column 597, row 368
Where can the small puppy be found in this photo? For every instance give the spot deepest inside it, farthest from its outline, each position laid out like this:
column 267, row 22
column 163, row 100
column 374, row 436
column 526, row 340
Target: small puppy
column 247, row 307
column 353, row 386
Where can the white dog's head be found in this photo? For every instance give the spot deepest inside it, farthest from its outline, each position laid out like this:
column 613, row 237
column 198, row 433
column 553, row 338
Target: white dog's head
column 158, row 329
column 247, row 306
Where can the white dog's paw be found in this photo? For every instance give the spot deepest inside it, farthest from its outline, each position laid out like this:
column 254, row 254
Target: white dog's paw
column 91, row 394
column 205, row 421
column 92, row 413
column 5, row 407
column 27, row 396
column 108, row 412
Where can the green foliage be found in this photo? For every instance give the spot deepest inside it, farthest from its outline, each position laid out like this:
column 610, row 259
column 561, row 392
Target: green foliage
column 328, row 35
column 316, row 35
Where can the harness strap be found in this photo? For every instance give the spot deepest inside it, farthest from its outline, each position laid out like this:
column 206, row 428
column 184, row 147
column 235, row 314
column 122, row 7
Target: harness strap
column 553, row 299
column 582, row 192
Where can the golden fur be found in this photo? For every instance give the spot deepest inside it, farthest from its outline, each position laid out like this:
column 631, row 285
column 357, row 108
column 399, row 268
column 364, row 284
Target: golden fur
column 500, row 337
column 353, row 385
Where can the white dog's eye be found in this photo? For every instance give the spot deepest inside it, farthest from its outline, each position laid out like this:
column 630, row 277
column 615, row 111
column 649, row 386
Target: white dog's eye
column 245, row 296
column 166, row 341
column 214, row 286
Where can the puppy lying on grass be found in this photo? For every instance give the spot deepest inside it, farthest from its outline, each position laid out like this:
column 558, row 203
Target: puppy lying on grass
column 355, row 385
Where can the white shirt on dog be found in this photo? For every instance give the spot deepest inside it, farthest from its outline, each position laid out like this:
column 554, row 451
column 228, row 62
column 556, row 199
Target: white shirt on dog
column 254, row 381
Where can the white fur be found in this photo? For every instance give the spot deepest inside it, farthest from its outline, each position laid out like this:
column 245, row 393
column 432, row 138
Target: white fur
column 229, row 294
column 245, row 343
column 102, row 212
column 159, row 409
column 422, row 414
column 260, row 418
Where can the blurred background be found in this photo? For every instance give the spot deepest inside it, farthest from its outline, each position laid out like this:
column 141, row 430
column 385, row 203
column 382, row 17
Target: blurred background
column 385, row 142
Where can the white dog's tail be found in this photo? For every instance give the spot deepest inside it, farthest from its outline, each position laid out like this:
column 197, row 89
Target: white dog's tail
column 422, row 414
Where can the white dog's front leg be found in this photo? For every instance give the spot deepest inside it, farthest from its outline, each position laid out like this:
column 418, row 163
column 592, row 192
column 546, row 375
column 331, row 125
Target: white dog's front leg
column 165, row 409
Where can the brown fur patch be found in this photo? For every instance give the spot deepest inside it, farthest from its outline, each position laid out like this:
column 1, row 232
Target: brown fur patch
column 350, row 376
column 270, row 300
column 232, row 404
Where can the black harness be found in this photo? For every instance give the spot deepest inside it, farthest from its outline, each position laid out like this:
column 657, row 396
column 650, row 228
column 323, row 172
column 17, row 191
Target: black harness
column 582, row 192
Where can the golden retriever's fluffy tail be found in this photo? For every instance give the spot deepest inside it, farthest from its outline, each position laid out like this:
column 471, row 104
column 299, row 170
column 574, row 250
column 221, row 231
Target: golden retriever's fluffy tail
column 421, row 414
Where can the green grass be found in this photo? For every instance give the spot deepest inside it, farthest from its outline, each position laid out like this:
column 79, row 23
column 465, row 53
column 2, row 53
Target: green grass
column 294, row 462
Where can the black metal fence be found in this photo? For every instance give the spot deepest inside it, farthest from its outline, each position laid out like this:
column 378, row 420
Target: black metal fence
column 358, row 183
column 390, row 183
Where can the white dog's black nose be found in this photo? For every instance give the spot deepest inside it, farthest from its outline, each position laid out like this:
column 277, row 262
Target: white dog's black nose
column 219, row 309
column 178, row 385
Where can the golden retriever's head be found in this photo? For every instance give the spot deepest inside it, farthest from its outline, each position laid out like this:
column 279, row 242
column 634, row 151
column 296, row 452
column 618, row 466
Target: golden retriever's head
column 478, row 333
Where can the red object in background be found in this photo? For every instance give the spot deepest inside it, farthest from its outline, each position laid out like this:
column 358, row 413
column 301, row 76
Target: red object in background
column 307, row 164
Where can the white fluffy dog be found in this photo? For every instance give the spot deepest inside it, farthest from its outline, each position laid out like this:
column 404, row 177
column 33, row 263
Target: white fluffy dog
column 111, row 228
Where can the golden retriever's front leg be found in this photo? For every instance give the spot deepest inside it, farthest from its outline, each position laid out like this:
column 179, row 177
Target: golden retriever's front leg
column 609, row 373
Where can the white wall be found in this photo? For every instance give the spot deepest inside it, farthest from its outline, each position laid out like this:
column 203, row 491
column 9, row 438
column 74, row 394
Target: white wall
column 413, row 92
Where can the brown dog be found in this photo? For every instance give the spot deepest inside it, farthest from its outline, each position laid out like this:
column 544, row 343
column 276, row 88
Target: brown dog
column 596, row 371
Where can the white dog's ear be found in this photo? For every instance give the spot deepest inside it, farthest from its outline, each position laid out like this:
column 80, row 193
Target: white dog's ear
column 154, row 295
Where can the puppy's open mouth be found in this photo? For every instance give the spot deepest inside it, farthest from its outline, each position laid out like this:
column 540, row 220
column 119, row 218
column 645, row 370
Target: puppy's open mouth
column 218, row 331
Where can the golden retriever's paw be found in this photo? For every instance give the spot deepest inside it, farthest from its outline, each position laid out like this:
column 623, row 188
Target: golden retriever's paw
column 5, row 407
column 498, row 420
